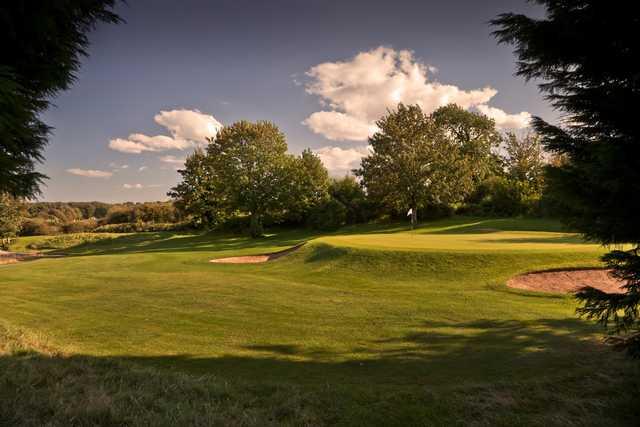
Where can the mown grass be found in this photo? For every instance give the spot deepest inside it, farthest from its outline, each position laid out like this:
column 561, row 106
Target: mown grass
column 374, row 325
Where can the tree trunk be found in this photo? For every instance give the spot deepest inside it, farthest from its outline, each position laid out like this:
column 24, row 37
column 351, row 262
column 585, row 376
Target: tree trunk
column 255, row 227
column 414, row 217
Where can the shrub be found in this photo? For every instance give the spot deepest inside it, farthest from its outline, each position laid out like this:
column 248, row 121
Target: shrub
column 501, row 196
column 84, row 226
column 236, row 224
column 119, row 215
column 328, row 215
column 38, row 227
column 65, row 241
column 350, row 193
column 138, row 227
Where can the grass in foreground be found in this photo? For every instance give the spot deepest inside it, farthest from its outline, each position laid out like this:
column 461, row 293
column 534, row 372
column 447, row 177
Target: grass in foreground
column 371, row 324
column 41, row 385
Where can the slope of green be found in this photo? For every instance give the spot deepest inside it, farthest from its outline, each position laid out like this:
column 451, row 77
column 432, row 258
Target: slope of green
column 368, row 308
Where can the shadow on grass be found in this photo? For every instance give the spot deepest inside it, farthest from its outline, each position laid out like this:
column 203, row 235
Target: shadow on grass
column 435, row 353
column 484, row 372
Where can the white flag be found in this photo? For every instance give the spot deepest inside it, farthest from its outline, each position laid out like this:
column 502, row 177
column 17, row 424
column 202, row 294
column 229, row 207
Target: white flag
column 410, row 212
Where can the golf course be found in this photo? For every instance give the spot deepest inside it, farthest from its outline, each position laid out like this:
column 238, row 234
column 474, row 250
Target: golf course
column 367, row 323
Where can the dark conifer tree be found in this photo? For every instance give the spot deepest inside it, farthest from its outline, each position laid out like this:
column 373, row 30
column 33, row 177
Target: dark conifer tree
column 584, row 54
column 42, row 43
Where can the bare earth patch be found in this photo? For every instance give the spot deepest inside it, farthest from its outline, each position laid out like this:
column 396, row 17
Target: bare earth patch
column 257, row 259
column 566, row 281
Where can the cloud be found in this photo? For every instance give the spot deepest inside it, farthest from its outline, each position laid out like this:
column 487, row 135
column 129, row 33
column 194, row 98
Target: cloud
column 360, row 90
column 189, row 125
column 187, row 129
column 90, row 173
column 504, row 120
column 340, row 126
column 140, row 186
column 340, row 161
column 178, row 163
column 117, row 166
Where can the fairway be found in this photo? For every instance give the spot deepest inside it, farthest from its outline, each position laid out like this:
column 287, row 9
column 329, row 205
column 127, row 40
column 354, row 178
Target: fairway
column 366, row 307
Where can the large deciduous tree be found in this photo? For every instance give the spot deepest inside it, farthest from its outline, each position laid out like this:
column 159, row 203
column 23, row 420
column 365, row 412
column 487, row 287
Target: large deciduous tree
column 200, row 194
column 310, row 185
column 254, row 169
column 411, row 163
column 420, row 159
column 474, row 136
column 524, row 159
column 246, row 170
column 42, row 43
column 585, row 53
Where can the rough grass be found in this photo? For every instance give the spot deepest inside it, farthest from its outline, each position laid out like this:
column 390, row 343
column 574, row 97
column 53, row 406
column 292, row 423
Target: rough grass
column 40, row 385
column 62, row 241
column 370, row 325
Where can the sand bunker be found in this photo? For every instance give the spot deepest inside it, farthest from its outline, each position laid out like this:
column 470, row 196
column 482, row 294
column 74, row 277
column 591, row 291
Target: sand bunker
column 566, row 281
column 13, row 257
column 256, row 259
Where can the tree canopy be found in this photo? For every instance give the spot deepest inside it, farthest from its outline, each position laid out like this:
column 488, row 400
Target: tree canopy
column 420, row 159
column 584, row 53
column 246, row 170
column 43, row 42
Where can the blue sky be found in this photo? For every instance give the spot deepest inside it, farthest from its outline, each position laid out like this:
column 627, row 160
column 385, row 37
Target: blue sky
column 322, row 70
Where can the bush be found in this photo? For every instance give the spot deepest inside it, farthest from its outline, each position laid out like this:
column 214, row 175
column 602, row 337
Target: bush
column 236, row 224
column 119, row 215
column 84, row 226
column 501, row 196
column 329, row 215
column 38, row 227
column 65, row 241
column 138, row 227
column 350, row 194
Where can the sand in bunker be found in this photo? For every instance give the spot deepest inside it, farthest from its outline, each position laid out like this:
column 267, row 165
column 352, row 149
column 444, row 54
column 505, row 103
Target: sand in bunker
column 566, row 281
column 12, row 257
column 256, row 259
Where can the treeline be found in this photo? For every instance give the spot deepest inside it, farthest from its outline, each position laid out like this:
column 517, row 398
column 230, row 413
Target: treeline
column 43, row 218
column 436, row 164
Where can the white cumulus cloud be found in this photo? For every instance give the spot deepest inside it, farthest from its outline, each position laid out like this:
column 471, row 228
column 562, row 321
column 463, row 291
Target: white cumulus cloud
column 337, row 126
column 360, row 90
column 187, row 129
column 191, row 125
column 90, row 173
column 340, row 161
column 504, row 120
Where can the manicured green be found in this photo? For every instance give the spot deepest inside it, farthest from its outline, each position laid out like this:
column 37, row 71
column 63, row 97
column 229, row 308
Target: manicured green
column 372, row 311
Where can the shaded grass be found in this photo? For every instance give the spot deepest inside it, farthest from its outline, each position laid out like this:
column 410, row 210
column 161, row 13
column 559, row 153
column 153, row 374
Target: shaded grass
column 41, row 385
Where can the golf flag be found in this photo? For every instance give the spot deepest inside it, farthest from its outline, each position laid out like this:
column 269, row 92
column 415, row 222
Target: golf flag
column 410, row 212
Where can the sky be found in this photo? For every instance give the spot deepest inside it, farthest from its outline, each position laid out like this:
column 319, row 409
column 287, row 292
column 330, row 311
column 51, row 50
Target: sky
column 157, row 86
